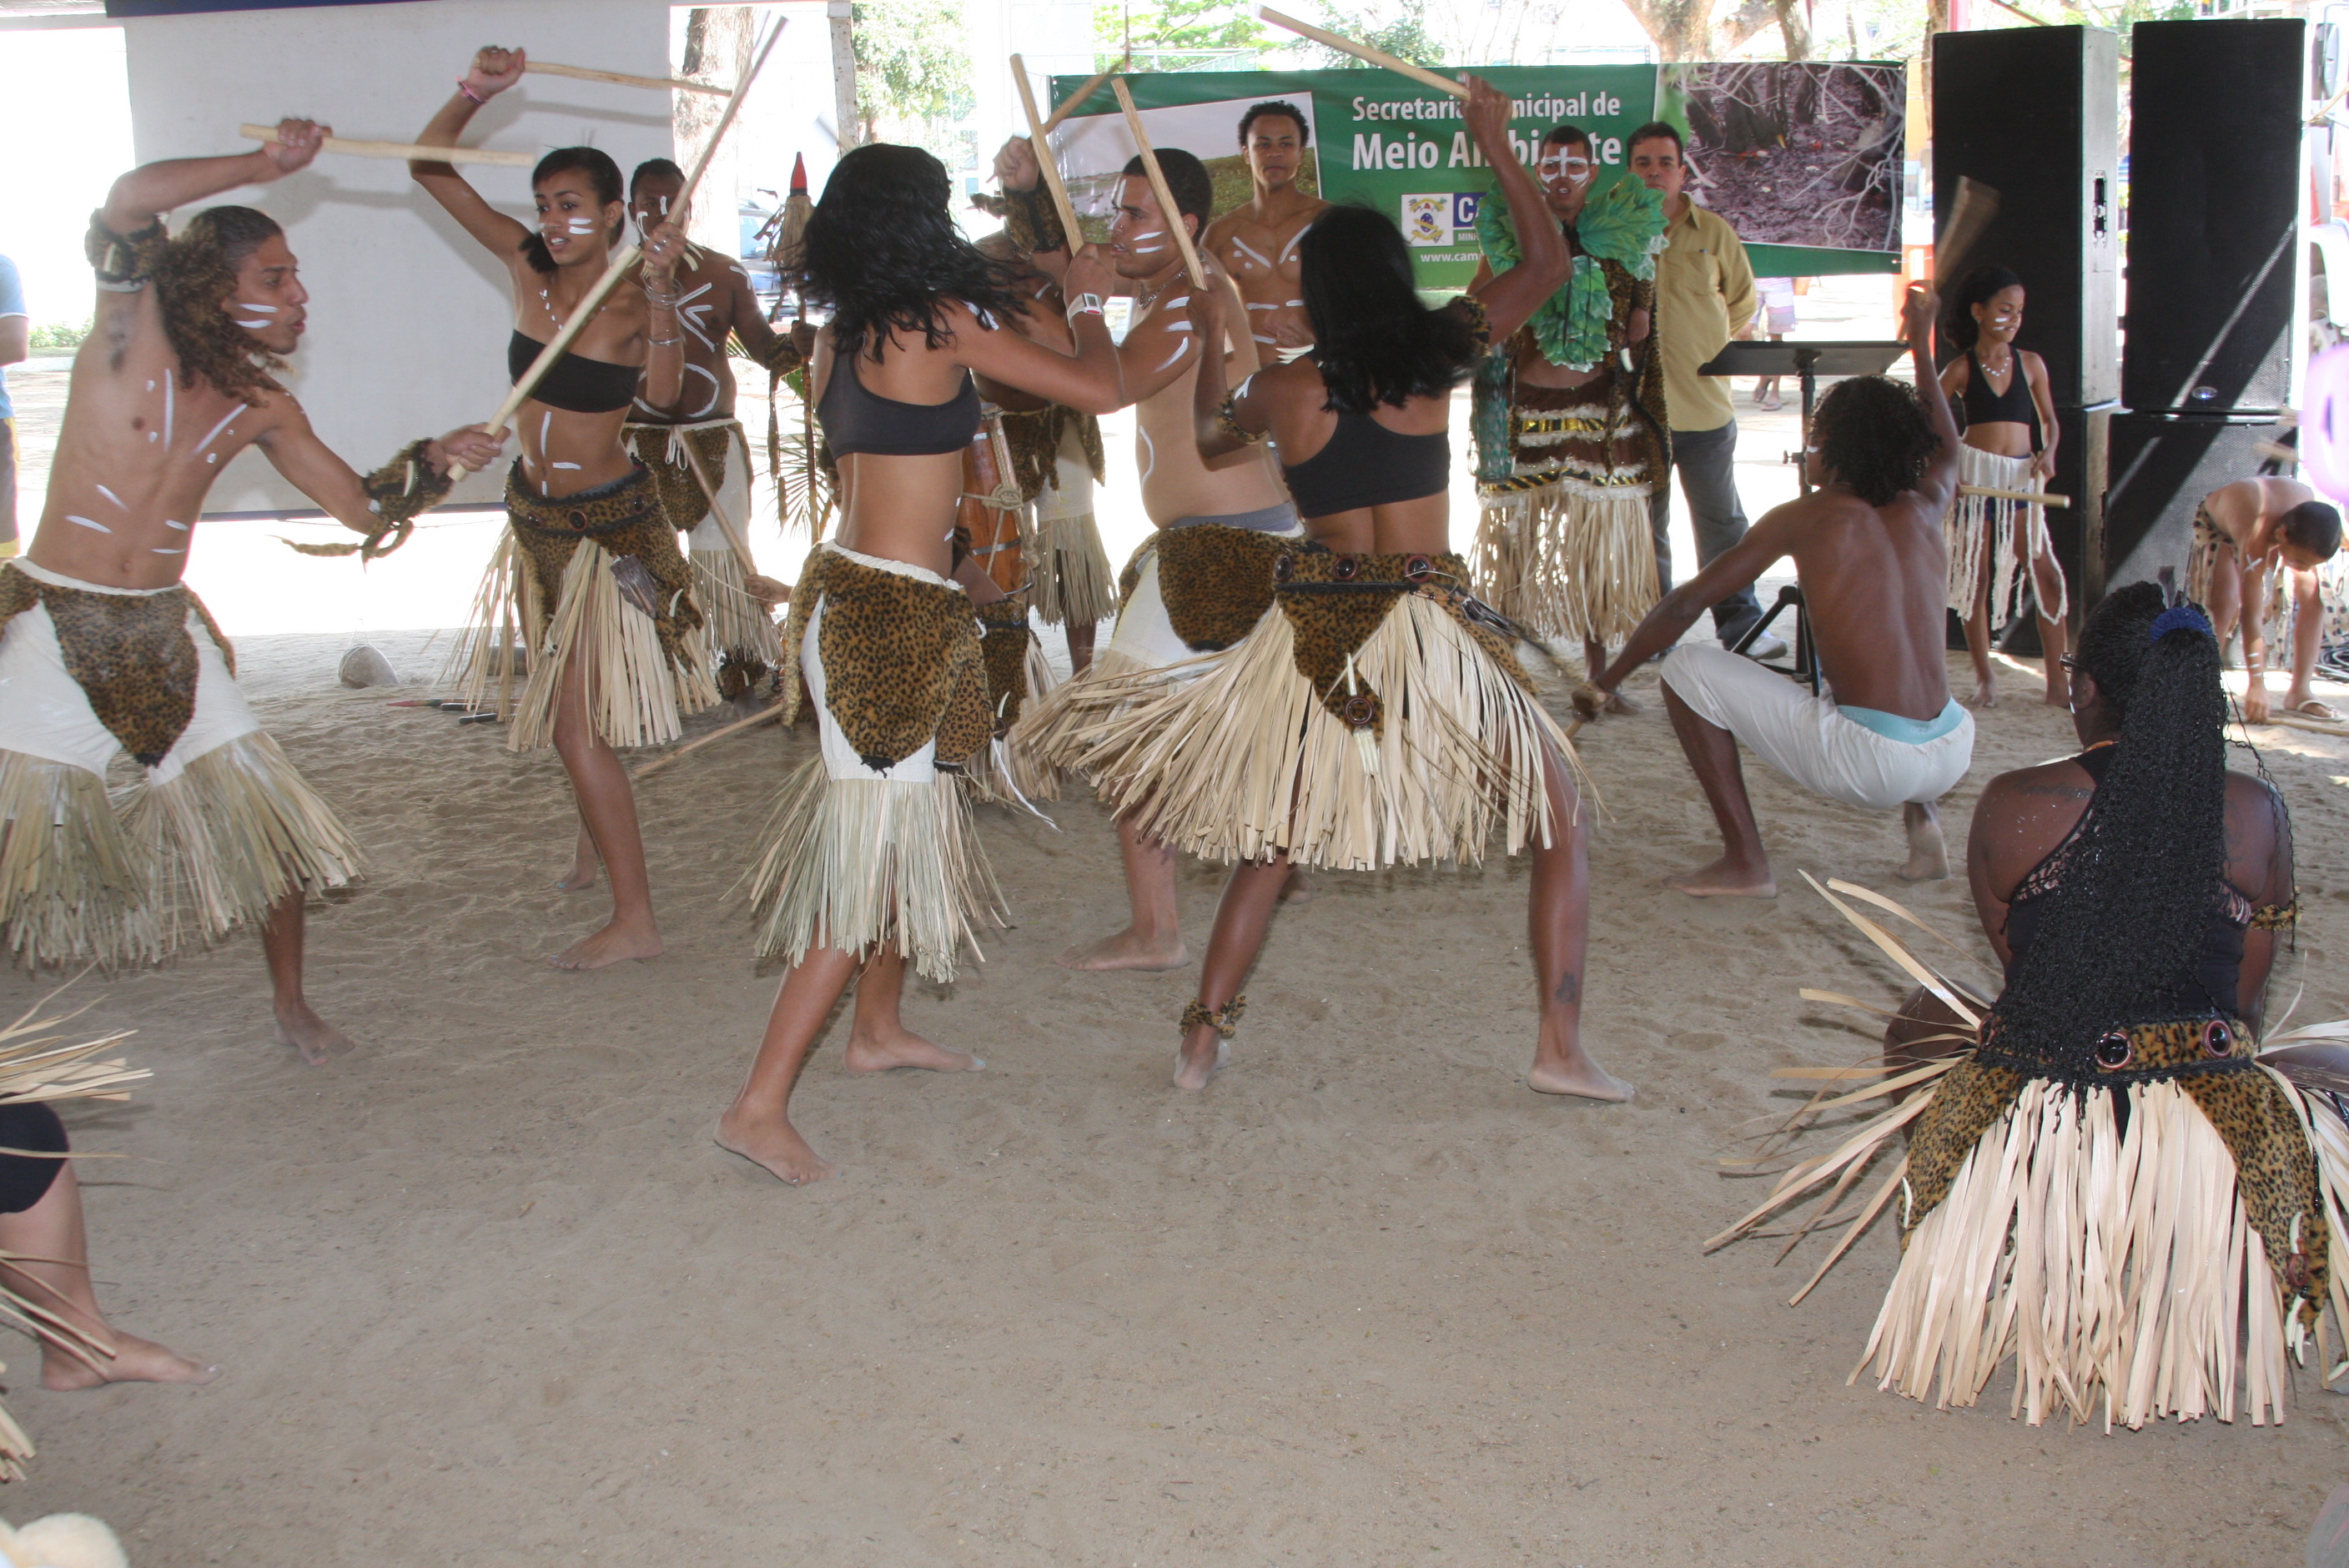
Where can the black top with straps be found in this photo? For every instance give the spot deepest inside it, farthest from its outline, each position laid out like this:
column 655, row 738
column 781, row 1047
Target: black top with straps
column 576, row 384
column 858, row 420
column 1365, row 464
column 2015, row 405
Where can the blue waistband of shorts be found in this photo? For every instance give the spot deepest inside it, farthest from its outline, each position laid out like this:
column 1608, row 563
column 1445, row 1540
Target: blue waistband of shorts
column 1906, row 731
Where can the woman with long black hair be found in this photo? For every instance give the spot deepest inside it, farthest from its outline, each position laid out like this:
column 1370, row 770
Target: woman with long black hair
column 590, row 568
column 2106, row 1180
column 1999, row 546
column 1381, row 715
column 870, row 861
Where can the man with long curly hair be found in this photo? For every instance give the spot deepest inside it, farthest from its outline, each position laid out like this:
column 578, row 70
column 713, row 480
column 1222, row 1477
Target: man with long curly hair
column 105, row 650
column 1869, row 552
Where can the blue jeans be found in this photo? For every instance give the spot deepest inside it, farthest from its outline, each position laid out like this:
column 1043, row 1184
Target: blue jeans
column 1707, row 461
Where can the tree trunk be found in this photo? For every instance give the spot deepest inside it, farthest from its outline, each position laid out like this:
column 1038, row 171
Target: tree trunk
column 1794, row 25
column 1680, row 29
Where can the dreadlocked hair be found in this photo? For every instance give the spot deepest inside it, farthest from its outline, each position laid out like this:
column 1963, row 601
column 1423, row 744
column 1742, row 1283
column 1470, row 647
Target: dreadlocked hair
column 883, row 251
column 1373, row 339
column 192, row 284
column 2119, row 938
column 1874, row 436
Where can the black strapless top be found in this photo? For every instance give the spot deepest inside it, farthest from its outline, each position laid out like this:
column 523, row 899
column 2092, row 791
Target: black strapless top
column 1365, row 464
column 857, row 421
column 577, row 384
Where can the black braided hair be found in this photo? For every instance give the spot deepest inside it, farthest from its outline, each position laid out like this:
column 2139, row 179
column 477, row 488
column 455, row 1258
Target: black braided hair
column 2120, row 934
column 1874, row 436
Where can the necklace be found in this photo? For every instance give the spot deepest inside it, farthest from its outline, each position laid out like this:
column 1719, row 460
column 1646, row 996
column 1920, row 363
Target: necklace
column 2003, row 367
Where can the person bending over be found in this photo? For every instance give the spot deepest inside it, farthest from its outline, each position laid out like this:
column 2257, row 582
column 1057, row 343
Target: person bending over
column 2252, row 538
column 1869, row 552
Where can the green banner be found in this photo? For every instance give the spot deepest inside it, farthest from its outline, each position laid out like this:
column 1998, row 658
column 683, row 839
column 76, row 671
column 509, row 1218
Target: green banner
column 1380, row 140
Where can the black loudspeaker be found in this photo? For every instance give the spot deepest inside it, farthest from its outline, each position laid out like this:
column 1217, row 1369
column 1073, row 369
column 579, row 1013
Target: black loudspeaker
column 2033, row 113
column 2215, row 173
column 2160, row 468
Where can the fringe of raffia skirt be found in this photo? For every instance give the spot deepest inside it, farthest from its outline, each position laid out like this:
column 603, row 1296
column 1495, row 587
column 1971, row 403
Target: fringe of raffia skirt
column 1069, row 570
column 1563, row 561
column 191, row 857
column 634, row 697
column 734, row 624
column 1243, row 762
column 1982, row 533
column 1052, row 730
column 856, row 863
column 1009, row 774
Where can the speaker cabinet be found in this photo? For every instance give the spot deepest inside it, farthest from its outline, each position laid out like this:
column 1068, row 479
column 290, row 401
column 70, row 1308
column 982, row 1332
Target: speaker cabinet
column 2033, row 113
column 2214, row 172
column 2161, row 467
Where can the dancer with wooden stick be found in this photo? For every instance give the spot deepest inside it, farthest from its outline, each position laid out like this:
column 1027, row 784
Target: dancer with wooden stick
column 590, row 568
column 1205, row 577
column 106, row 650
column 872, row 862
column 716, row 301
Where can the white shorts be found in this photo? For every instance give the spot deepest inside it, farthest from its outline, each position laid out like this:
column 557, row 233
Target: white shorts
column 1813, row 741
column 44, row 712
column 840, row 758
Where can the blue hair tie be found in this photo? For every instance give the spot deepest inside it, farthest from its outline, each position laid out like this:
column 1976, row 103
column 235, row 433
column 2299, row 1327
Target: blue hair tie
column 2180, row 618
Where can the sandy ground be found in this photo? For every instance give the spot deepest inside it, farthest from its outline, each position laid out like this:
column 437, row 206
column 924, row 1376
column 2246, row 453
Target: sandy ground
column 486, row 1293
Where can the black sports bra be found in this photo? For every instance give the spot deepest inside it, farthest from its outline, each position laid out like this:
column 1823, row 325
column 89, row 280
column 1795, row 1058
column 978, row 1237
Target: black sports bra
column 577, row 384
column 2015, row 405
column 1365, row 464
column 857, row 421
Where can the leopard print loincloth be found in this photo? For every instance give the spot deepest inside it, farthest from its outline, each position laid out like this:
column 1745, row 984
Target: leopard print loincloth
column 681, row 495
column 130, row 653
column 902, row 664
column 1334, row 603
column 625, row 519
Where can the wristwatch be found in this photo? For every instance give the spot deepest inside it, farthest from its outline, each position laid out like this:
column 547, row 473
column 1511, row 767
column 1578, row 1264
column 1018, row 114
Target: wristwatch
column 1084, row 305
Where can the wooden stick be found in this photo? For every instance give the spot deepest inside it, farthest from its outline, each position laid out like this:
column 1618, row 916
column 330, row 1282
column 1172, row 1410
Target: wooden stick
column 1363, row 52
column 1093, row 84
column 404, row 149
column 736, row 727
column 1173, row 213
column 1052, row 170
column 717, row 510
column 1970, row 214
column 623, row 78
column 2043, row 497
column 585, row 312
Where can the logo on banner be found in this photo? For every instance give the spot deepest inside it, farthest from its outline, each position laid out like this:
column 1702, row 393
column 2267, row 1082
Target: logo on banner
column 1427, row 219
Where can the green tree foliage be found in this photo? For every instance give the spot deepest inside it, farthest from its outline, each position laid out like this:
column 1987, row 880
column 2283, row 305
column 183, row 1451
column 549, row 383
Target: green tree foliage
column 1175, row 28
column 1404, row 33
column 913, row 74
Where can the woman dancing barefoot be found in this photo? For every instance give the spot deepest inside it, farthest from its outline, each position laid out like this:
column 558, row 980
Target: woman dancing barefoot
column 2010, row 445
column 871, row 860
column 590, row 567
column 1381, row 716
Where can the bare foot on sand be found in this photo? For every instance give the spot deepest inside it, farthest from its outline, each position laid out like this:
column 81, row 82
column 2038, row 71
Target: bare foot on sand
column 774, row 1146
column 613, row 944
column 901, row 1048
column 1584, row 1079
column 1726, row 879
column 1203, row 1054
column 135, row 1360
column 1928, row 856
column 318, row 1041
column 1986, row 693
column 1128, row 949
column 1298, row 888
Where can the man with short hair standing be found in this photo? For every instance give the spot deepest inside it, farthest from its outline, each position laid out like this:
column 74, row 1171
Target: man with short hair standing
column 1257, row 241
column 1704, row 294
column 15, row 343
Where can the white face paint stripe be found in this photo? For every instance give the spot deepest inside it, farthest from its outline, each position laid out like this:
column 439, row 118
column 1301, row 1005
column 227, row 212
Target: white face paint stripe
column 1149, row 451
column 1290, row 249
column 181, row 526
column 1182, row 347
column 581, row 226
column 112, row 497
column 166, row 408
column 162, row 552
column 562, row 465
column 85, row 522
column 1254, row 306
column 1294, row 305
column 216, row 429
column 1260, row 337
column 546, row 423
column 257, row 309
column 1177, row 327
column 1243, row 247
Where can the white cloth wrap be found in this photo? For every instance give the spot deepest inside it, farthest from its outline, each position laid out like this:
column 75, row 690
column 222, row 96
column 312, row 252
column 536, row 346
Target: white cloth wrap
column 840, row 758
column 1144, row 635
column 1807, row 736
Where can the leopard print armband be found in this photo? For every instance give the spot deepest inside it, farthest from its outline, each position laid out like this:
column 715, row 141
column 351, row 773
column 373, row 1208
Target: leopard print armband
column 1480, row 326
column 400, row 492
column 1031, row 221
column 1228, row 420
column 2275, row 916
column 1225, row 1020
column 124, row 264
column 783, row 359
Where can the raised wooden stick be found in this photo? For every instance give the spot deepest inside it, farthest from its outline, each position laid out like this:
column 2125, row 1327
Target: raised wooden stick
column 1052, row 170
column 2043, row 497
column 1173, row 215
column 623, row 78
column 1344, row 45
column 404, row 149
column 1970, row 214
column 585, row 312
column 717, row 509
column 736, row 727
column 1093, row 84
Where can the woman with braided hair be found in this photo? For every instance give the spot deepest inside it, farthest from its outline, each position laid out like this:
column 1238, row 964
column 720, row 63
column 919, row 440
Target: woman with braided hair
column 2106, row 1181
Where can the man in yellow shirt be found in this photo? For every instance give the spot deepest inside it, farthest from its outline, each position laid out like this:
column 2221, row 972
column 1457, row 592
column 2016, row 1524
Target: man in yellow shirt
column 1704, row 295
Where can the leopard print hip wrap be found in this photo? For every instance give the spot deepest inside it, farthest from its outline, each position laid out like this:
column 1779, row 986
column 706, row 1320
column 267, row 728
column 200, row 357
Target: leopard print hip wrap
column 626, row 521
column 901, row 665
column 681, row 495
column 130, row 653
column 1334, row 603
